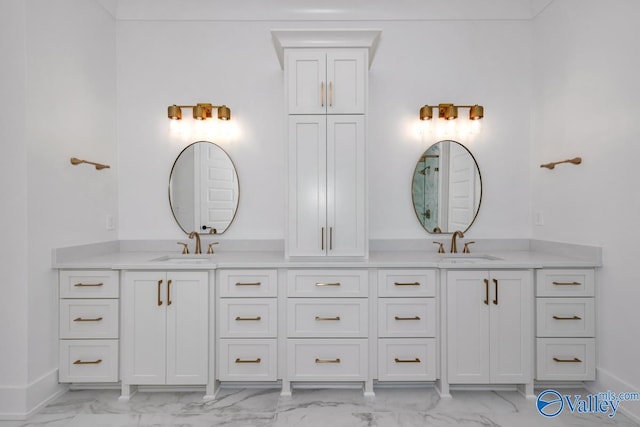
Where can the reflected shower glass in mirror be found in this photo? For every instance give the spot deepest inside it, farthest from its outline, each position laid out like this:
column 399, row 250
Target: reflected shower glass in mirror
column 203, row 189
column 446, row 188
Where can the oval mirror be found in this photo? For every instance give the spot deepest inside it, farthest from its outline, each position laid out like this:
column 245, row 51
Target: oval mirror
column 446, row 188
column 203, row 189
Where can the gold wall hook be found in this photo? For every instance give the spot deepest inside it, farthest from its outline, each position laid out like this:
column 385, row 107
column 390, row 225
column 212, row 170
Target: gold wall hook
column 574, row 161
column 99, row 166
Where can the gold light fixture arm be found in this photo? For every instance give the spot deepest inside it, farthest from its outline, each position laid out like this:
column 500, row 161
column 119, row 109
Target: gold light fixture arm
column 99, row 166
column 574, row 161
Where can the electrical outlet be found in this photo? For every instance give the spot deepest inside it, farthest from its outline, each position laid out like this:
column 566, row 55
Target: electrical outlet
column 110, row 223
column 539, row 218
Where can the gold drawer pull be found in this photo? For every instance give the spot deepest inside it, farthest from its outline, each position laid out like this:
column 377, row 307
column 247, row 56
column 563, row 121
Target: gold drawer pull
column 248, row 361
column 248, row 283
column 407, row 318
column 328, row 284
column 90, row 362
column 416, row 360
column 249, row 318
column 407, row 284
column 567, row 318
column 82, row 319
column 567, row 283
column 88, row 285
column 327, row 318
column 328, row 360
column 574, row 360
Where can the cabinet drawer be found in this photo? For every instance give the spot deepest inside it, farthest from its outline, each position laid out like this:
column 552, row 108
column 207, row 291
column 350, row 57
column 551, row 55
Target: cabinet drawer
column 327, row 360
column 566, row 359
column 327, row 317
column 411, row 359
column 407, row 317
column 89, row 284
column 327, row 283
column 88, row 361
column 565, row 317
column 248, row 360
column 248, row 283
column 406, row 283
column 88, row 318
column 565, row 283
column 241, row 317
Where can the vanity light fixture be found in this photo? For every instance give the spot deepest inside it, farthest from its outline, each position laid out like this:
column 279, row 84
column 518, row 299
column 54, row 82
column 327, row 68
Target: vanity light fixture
column 201, row 111
column 450, row 111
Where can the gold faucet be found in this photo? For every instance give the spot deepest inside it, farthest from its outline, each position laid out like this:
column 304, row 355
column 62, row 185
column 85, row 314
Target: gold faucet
column 197, row 237
column 454, row 247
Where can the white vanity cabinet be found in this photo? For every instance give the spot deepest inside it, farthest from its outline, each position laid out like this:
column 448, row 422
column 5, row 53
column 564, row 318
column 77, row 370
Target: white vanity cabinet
column 407, row 325
column 165, row 320
column 88, row 326
column 489, row 326
column 565, row 325
column 247, row 325
column 326, row 81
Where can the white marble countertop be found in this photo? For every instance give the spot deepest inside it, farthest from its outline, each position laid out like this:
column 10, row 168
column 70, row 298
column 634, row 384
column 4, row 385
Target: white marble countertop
column 544, row 255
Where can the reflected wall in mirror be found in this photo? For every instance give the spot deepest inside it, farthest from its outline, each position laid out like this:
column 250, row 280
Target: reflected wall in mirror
column 446, row 188
column 203, row 189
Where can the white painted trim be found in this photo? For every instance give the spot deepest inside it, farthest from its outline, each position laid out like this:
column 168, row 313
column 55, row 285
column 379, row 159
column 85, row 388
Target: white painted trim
column 606, row 381
column 20, row 402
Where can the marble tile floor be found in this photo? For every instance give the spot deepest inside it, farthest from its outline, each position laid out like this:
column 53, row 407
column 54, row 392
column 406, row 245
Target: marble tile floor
column 407, row 407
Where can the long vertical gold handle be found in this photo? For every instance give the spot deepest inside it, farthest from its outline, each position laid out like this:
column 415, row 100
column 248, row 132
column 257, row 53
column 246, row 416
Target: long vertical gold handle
column 495, row 282
column 322, row 237
column 330, row 94
column 486, row 291
column 159, row 289
column 330, row 238
column 169, row 292
column 322, row 94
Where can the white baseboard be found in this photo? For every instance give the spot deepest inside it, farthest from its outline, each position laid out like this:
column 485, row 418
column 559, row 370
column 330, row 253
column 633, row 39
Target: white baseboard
column 606, row 381
column 20, row 402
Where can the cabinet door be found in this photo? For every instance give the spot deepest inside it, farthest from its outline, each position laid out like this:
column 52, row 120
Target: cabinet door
column 307, row 186
column 346, row 185
column 346, row 81
column 187, row 327
column 143, row 327
column 306, row 81
column 511, row 326
column 468, row 327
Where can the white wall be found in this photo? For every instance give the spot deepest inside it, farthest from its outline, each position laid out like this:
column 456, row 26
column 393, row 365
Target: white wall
column 62, row 79
column 234, row 62
column 586, row 104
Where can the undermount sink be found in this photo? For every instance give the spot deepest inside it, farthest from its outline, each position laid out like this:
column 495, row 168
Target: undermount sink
column 185, row 259
column 467, row 258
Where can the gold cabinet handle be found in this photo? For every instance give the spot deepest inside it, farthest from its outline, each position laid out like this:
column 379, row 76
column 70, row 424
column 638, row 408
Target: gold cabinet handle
column 159, row 289
column 88, row 285
column 406, row 284
column 169, row 292
column 322, row 94
column 328, row 360
column 87, row 362
column 322, row 238
column 574, row 360
column 82, row 319
column 416, row 360
column 486, row 291
column 248, row 318
column 330, row 94
column 407, row 318
column 567, row 283
column 567, row 318
column 320, row 318
column 330, row 238
column 258, row 360
column 248, row 283
column 495, row 282
column 327, row 284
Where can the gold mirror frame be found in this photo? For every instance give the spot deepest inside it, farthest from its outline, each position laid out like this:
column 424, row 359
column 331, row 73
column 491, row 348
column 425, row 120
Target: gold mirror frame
column 194, row 176
column 422, row 169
